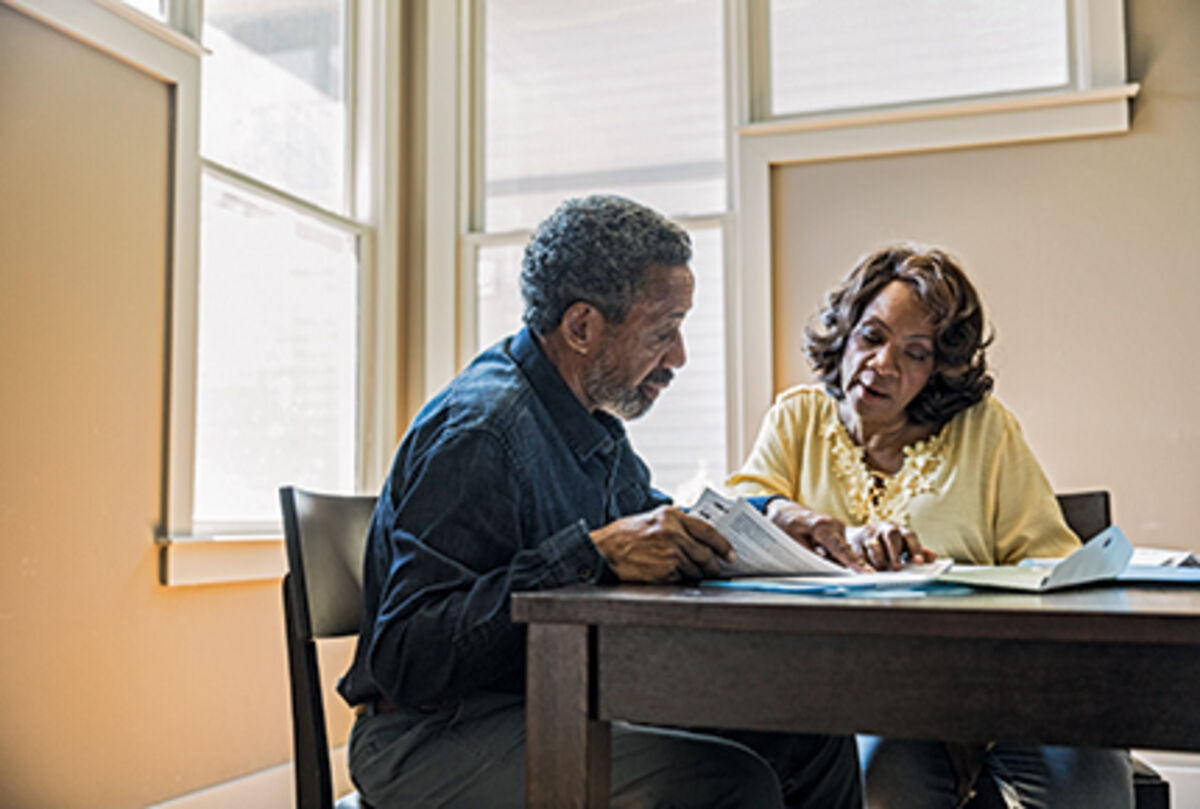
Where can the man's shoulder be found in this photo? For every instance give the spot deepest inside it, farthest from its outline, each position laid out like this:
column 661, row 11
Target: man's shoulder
column 492, row 395
column 485, row 396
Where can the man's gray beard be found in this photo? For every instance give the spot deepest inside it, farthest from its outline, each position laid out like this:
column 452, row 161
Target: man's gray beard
column 601, row 385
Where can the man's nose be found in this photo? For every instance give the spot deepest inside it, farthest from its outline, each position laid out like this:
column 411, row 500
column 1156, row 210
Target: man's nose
column 676, row 356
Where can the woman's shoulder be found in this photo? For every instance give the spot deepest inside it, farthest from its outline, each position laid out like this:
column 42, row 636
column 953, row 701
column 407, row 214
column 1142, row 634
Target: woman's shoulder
column 804, row 404
column 988, row 418
column 805, row 397
column 801, row 409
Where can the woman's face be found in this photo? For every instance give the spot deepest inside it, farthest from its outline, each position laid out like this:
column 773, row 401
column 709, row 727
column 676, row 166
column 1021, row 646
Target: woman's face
column 888, row 357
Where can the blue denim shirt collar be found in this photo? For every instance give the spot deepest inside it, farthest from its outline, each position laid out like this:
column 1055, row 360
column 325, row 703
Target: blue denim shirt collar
column 585, row 433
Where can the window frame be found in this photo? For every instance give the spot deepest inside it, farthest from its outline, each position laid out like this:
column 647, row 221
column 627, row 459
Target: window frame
column 172, row 53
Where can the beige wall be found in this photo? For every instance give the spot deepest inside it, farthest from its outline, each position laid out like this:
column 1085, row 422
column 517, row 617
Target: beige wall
column 114, row 691
column 1087, row 254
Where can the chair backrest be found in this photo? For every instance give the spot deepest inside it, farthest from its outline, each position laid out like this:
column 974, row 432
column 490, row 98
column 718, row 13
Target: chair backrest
column 1086, row 513
column 325, row 537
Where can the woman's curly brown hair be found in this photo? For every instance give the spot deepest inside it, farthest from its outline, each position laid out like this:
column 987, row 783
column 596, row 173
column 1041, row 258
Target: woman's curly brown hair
column 960, row 377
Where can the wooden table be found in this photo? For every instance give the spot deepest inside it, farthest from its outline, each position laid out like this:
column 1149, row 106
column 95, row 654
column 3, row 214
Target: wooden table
column 1100, row 666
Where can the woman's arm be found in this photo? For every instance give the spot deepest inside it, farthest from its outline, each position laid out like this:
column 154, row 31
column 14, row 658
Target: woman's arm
column 818, row 532
column 1026, row 518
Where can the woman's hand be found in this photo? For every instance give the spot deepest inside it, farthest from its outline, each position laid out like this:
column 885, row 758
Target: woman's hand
column 819, row 533
column 887, row 546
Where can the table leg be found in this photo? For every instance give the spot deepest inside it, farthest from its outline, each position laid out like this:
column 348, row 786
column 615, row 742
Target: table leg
column 567, row 750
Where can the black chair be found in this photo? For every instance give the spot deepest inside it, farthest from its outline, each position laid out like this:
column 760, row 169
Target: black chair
column 322, row 598
column 1087, row 514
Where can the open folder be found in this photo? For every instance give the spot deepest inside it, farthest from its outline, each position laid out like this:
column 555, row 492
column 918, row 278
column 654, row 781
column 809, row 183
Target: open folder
column 1102, row 558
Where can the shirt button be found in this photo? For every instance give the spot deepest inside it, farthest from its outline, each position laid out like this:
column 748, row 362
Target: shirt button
column 585, row 574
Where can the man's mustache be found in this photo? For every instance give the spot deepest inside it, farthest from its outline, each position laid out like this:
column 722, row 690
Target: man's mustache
column 660, row 376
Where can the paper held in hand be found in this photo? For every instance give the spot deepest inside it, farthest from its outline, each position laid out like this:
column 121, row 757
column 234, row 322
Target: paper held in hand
column 768, row 559
column 762, row 548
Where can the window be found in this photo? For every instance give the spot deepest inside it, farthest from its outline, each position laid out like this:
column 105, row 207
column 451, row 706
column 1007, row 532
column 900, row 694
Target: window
column 281, row 266
column 278, row 356
column 842, row 54
column 568, row 110
column 154, row 8
column 275, row 95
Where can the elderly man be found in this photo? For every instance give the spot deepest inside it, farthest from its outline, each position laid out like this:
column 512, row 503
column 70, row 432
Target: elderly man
column 519, row 476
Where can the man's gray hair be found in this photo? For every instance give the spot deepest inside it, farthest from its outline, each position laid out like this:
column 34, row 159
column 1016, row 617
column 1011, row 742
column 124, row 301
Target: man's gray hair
column 595, row 249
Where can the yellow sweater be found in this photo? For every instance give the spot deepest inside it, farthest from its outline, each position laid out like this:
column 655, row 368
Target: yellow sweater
column 973, row 491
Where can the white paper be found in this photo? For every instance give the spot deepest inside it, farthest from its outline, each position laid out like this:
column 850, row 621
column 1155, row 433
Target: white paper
column 1161, row 557
column 762, row 548
column 908, row 576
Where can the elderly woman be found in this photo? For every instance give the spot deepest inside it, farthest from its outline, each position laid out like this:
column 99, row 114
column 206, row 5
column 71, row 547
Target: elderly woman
column 902, row 453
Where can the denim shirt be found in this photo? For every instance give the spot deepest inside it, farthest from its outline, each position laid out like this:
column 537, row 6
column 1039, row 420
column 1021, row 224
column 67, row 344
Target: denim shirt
column 493, row 490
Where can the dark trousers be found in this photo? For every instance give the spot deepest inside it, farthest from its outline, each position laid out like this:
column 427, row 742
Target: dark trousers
column 472, row 754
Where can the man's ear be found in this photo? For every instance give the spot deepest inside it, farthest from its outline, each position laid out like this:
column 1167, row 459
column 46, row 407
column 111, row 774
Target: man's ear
column 582, row 326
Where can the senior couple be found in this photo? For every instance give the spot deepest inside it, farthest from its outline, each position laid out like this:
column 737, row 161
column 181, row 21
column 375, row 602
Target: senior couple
column 519, row 476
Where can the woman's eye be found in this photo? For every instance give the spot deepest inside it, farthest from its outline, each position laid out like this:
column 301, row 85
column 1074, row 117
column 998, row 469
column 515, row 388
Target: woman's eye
column 918, row 356
column 869, row 337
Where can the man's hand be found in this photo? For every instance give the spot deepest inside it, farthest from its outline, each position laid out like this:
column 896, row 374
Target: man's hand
column 888, row 546
column 663, row 545
column 819, row 533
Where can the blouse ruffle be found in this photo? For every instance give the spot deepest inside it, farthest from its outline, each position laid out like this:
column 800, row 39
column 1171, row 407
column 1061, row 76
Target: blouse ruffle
column 874, row 497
